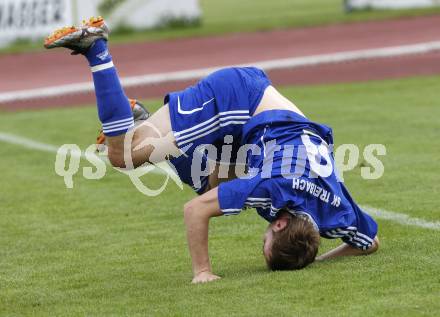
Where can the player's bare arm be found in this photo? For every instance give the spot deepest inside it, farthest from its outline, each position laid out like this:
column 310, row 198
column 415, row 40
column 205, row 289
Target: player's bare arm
column 347, row 250
column 197, row 214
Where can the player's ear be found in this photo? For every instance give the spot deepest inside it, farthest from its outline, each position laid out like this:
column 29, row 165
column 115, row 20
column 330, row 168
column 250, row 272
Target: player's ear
column 280, row 224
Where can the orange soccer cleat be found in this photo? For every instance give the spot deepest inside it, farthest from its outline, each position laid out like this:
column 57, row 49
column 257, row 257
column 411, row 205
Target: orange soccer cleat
column 78, row 39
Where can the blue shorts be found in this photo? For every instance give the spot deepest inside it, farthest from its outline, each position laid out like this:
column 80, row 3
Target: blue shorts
column 216, row 106
column 183, row 164
column 205, row 113
column 289, row 175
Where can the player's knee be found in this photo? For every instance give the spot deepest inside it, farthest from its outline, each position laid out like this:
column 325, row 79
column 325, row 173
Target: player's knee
column 116, row 158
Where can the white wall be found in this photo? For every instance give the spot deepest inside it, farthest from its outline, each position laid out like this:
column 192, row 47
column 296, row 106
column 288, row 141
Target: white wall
column 32, row 18
column 35, row 22
column 390, row 4
column 84, row 9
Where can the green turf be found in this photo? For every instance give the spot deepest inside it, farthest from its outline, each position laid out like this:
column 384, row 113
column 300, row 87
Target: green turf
column 231, row 16
column 104, row 249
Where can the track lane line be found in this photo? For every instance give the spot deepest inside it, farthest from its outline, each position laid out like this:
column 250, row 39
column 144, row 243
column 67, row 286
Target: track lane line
column 268, row 65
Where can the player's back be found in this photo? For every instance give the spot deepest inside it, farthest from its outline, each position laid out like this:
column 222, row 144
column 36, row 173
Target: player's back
column 296, row 172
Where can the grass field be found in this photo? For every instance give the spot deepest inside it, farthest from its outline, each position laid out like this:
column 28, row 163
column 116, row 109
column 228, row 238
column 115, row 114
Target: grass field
column 230, row 16
column 103, row 249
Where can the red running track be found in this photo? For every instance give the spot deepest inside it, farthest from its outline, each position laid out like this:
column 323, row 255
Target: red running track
column 44, row 69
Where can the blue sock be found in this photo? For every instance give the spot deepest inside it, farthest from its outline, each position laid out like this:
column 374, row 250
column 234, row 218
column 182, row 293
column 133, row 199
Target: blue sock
column 114, row 109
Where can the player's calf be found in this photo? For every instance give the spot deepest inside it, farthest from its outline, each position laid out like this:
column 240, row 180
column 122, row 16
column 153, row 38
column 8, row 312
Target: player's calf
column 152, row 141
column 116, row 145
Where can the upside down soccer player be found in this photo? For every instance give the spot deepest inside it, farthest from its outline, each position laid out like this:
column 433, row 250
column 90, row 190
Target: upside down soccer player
column 290, row 179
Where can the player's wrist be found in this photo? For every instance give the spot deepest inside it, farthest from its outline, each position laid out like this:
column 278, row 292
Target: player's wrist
column 202, row 271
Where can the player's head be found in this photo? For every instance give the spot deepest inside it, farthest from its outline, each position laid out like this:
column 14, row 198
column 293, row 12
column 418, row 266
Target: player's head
column 290, row 243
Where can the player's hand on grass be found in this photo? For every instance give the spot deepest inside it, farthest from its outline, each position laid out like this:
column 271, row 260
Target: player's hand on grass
column 204, row 277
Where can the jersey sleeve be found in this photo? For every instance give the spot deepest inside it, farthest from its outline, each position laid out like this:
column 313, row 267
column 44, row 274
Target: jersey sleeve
column 267, row 196
column 363, row 232
column 232, row 195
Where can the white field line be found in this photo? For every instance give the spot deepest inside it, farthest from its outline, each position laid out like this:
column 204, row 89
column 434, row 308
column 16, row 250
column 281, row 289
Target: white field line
column 399, row 218
column 402, row 219
column 27, row 143
column 43, row 147
column 293, row 62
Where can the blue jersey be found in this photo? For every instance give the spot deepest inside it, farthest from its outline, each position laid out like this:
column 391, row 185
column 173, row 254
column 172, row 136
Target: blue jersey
column 216, row 106
column 294, row 171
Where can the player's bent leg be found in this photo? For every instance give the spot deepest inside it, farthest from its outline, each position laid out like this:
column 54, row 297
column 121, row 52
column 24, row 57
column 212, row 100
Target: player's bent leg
column 151, row 141
column 114, row 108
